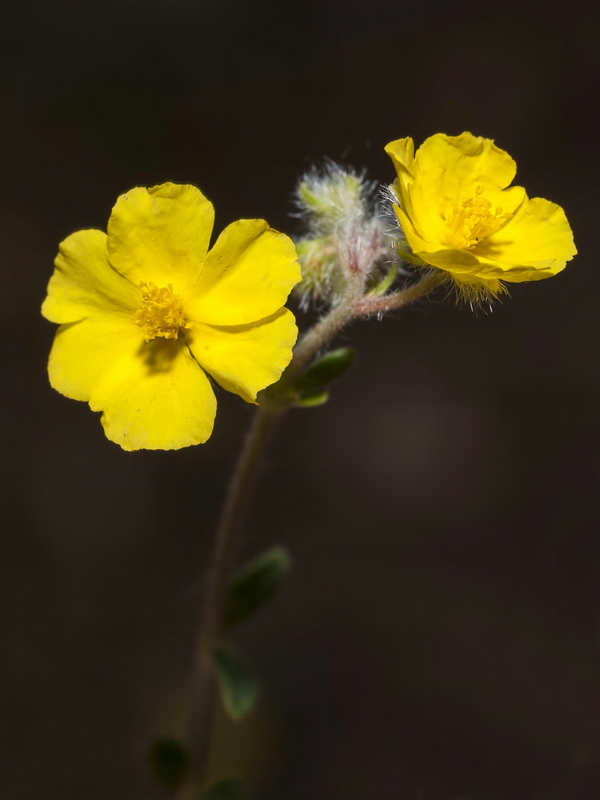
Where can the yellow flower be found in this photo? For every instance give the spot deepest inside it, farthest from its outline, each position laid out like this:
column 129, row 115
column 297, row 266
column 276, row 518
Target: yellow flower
column 146, row 311
column 458, row 215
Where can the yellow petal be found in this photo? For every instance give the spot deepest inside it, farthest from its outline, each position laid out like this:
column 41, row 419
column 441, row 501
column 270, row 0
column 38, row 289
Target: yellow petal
column 449, row 169
column 455, row 163
column 402, row 153
column 84, row 284
column 247, row 275
column 460, row 262
column 418, row 243
column 247, row 358
column 160, row 235
column 156, row 397
column 83, row 351
column 536, row 243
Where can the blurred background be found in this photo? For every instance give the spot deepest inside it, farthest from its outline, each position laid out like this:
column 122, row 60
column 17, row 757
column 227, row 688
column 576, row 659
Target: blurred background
column 439, row 636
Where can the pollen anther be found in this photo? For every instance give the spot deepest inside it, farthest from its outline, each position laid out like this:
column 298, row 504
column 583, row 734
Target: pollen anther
column 472, row 220
column 161, row 312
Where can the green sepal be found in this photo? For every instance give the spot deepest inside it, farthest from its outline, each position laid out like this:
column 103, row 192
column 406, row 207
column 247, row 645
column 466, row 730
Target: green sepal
column 323, row 370
column 385, row 283
column 228, row 790
column 169, row 762
column 312, row 400
column 255, row 584
column 237, row 684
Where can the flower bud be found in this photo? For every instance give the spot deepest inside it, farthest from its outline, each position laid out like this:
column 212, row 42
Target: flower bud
column 331, row 198
column 346, row 241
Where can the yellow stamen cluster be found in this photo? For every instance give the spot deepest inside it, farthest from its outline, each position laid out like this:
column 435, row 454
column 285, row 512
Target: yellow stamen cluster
column 472, row 220
column 161, row 312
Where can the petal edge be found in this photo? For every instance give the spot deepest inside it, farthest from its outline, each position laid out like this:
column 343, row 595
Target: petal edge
column 245, row 359
column 247, row 275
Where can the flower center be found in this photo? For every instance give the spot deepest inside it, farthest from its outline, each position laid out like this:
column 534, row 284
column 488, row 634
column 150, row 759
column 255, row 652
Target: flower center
column 161, row 312
column 472, row 220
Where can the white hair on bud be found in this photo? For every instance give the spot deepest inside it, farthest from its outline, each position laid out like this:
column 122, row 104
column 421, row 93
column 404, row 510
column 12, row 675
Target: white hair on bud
column 347, row 236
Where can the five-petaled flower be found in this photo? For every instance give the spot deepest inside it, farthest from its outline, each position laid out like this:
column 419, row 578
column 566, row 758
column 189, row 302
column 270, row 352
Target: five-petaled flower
column 146, row 311
column 457, row 214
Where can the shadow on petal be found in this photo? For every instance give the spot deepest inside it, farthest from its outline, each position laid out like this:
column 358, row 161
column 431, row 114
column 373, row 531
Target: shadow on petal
column 159, row 354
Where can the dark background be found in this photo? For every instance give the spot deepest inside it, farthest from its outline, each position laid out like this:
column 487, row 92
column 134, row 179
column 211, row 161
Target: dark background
column 438, row 638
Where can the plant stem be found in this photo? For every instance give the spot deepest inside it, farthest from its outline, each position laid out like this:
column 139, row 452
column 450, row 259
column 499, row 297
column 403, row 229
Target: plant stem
column 316, row 338
column 203, row 691
column 377, row 305
column 203, row 696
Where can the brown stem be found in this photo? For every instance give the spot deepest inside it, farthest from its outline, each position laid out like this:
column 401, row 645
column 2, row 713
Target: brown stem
column 317, row 337
column 377, row 305
column 203, row 692
column 203, row 696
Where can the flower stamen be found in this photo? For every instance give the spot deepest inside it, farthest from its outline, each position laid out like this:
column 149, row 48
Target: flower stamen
column 472, row 220
column 161, row 312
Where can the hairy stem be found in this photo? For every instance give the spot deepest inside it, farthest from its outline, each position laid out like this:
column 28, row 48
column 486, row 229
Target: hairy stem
column 317, row 337
column 203, row 695
column 204, row 689
column 377, row 305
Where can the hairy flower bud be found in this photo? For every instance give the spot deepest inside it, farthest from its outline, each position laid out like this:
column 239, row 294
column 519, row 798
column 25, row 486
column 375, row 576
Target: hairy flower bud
column 330, row 198
column 346, row 240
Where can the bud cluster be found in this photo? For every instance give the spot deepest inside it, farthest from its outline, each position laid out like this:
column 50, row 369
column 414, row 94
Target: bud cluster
column 345, row 240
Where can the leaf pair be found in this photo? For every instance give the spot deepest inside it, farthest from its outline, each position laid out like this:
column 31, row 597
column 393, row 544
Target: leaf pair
column 250, row 589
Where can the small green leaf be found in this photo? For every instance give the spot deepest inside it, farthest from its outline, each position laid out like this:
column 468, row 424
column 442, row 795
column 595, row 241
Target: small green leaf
column 324, row 370
column 228, row 790
column 239, row 689
column 169, row 762
column 385, row 283
column 312, row 400
column 256, row 583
